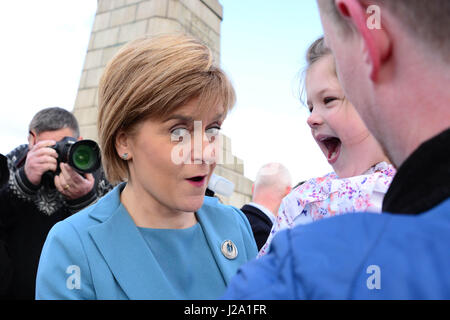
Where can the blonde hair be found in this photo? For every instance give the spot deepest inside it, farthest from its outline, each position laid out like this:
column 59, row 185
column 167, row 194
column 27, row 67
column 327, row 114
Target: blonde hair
column 315, row 52
column 150, row 78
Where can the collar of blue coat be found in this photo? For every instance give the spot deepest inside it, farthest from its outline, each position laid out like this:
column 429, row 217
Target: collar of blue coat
column 132, row 262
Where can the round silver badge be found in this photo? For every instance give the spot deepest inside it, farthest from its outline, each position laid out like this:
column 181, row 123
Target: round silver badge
column 229, row 250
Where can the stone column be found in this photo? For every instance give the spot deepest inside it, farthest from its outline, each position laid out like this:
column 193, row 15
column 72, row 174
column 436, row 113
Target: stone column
column 120, row 21
column 233, row 170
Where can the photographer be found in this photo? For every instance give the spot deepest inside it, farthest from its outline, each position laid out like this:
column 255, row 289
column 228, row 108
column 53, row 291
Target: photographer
column 42, row 191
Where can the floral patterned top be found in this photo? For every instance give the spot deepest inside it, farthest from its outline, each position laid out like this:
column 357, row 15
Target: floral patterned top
column 330, row 196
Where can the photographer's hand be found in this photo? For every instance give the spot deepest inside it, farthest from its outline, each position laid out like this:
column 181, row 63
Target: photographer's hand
column 71, row 184
column 40, row 159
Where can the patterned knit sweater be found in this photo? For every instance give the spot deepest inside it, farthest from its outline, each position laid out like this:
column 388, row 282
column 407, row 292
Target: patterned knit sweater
column 27, row 213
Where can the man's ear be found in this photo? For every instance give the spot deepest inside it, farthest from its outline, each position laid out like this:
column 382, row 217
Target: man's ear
column 376, row 42
column 31, row 139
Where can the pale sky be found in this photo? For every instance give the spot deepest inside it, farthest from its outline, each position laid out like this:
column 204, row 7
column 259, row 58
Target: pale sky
column 263, row 46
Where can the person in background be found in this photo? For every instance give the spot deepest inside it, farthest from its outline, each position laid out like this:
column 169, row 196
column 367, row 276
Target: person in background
column 362, row 173
column 31, row 207
column 162, row 102
column 273, row 182
column 5, row 261
column 397, row 76
column 4, row 172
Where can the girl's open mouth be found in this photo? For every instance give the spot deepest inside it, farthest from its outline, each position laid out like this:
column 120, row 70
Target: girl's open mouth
column 333, row 147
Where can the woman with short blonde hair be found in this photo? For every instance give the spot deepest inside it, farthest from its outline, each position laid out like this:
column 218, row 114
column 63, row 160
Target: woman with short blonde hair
column 155, row 236
column 151, row 79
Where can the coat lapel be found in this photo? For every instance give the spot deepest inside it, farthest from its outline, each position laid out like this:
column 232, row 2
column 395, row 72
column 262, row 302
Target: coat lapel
column 218, row 228
column 128, row 256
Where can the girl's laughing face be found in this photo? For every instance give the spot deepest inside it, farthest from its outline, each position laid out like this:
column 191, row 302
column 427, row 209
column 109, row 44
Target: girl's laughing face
column 335, row 124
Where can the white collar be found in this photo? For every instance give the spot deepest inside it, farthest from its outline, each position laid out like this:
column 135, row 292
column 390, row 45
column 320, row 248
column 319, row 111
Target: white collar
column 266, row 211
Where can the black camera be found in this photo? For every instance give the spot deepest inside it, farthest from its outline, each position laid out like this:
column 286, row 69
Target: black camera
column 82, row 155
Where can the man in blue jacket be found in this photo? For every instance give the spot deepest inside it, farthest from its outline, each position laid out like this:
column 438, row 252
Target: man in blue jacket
column 393, row 61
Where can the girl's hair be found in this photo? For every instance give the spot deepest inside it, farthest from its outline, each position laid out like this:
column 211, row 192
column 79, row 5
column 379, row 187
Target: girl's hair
column 315, row 52
column 150, row 78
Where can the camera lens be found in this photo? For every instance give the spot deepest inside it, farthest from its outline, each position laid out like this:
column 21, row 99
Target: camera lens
column 84, row 156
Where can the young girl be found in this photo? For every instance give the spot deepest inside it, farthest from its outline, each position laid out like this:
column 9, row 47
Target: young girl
column 361, row 174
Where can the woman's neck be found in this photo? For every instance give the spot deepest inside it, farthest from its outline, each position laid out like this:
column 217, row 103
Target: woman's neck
column 148, row 212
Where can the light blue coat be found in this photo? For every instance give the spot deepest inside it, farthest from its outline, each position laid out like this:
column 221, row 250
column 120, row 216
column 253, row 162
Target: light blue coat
column 99, row 253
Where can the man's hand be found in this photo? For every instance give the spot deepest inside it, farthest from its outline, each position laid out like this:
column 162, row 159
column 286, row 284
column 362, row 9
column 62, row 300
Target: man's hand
column 40, row 159
column 71, row 184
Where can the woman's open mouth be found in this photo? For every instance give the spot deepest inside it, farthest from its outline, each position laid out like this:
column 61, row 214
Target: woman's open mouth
column 198, row 181
column 333, row 147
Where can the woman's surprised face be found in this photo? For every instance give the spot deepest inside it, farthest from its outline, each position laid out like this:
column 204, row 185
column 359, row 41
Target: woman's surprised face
column 172, row 159
column 334, row 122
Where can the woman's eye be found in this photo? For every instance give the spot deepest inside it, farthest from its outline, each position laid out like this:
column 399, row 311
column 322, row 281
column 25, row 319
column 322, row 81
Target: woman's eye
column 179, row 134
column 212, row 133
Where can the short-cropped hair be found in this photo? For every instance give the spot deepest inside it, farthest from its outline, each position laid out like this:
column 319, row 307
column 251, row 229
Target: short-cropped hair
column 52, row 119
column 273, row 176
column 150, row 78
column 426, row 20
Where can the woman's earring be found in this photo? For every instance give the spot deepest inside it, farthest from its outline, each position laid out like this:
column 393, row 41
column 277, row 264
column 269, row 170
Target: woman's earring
column 125, row 156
